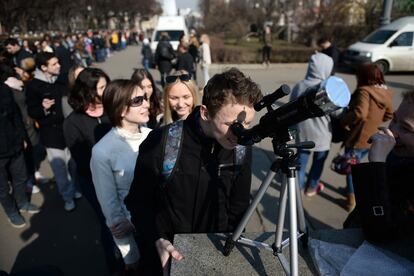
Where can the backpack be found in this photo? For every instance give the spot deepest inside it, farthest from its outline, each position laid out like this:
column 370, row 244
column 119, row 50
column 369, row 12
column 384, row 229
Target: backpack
column 172, row 150
column 165, row 52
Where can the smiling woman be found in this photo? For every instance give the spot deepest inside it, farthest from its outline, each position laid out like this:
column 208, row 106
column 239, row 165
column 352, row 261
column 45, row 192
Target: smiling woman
column 113, row 160
column 180, row 96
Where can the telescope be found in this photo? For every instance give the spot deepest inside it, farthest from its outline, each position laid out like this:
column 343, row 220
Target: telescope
column 329, row 96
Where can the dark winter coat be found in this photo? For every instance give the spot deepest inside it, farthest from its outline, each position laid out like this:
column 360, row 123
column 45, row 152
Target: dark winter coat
column 82, row 132
column 146, row 52
column 334, row 53
column 164, row 54
column 50, row 121
column 390, row 186
column 198, row 196
column 185, row 62
column 12, row 131
column 19, row 56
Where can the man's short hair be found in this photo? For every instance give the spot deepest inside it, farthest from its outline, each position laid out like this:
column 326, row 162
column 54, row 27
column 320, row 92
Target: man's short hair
column 43, row 58
column 230, row 86
column 11, row 41
column 408, row 96
column 323, row 40
column 116, row 96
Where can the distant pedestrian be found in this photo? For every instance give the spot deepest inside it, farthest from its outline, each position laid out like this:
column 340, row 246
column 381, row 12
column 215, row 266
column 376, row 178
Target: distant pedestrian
column 185, row 60
column 267, row 45
column 329, row 48
column 193, row 50
column 205, row 56
column 146, row 54
column 164, row 54
column 64, row 57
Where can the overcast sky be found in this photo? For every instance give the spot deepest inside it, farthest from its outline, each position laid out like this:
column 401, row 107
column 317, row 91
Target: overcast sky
column 193, row 4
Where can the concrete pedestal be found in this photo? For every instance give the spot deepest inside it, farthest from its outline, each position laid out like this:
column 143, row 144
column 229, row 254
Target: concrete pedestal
column 203, row 256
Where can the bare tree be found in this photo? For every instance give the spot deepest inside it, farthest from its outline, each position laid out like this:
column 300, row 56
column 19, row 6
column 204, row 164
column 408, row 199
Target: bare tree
column 56, row 15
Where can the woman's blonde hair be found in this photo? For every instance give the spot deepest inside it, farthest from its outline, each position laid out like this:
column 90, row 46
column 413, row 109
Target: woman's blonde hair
column 205, row 39
column 169, row 117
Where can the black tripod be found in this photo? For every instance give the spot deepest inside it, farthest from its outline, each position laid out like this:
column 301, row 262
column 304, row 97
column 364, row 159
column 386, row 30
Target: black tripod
column 286, row 163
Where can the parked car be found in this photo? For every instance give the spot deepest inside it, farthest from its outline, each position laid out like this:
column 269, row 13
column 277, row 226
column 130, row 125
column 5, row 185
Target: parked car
column 390, row 47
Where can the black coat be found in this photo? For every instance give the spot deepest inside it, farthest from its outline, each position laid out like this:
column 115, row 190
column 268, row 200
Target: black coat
column 146, row 52
column 164, row 54
column 82, row 132
column 65, row 61
column 12, row 131
column 51, row 121
column 19, row 56
column 197, row 197
column 389, row 185
column 334, row 53
column 185, row 62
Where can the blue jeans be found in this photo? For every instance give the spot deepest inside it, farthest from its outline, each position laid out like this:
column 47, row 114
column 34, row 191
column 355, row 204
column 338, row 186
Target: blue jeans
column 315, row 172
column 64, row 170
column 359, row 154
column 146, row 63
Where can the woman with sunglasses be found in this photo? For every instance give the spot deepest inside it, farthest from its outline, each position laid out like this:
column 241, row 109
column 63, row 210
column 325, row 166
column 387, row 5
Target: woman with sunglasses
column 144, row 79
column 180, row 96
column 113, row 161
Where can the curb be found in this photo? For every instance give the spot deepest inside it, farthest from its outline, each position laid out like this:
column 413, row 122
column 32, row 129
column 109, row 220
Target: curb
column 258, row 66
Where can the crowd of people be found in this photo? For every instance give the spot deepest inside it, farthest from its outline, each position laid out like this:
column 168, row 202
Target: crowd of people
column 191, row 51
column 153, row 163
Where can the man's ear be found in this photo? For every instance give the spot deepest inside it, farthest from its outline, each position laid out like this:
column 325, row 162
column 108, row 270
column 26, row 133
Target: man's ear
column 204, row 113
column 43, row 68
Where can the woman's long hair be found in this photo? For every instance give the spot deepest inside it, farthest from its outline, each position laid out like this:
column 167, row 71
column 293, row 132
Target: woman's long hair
column 84, row 91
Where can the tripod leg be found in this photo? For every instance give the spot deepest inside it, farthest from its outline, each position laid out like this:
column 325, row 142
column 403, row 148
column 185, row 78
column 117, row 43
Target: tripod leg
column 301, row 213
column 230, row 242
column 281, row 216
column 293, row 241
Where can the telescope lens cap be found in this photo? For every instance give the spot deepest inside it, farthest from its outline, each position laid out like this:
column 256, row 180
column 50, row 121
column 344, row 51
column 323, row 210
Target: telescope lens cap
column 337, row 91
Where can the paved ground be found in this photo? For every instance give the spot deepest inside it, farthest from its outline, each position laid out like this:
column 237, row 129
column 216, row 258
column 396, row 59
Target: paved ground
column 71, row 240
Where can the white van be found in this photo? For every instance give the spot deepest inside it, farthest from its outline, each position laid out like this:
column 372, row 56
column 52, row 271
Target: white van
column 390, row 47
column 173, row 25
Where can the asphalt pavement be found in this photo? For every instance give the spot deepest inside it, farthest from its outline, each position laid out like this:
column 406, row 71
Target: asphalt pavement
column 71, row 242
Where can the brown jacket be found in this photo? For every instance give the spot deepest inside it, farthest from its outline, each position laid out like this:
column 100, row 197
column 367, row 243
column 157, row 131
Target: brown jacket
column 370, row 106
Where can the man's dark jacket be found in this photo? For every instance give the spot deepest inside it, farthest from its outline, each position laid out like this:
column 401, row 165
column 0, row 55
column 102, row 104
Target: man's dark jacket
column 19, row 56
column 185, row 62
column 50, row 121
column 389, row 185
column 197, row 197
column 12, row 131
column 163, row 56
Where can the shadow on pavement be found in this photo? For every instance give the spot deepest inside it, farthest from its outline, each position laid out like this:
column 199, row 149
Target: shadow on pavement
column 66, row 240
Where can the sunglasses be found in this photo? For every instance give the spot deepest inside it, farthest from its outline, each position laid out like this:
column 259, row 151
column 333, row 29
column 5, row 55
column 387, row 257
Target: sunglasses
column 138, row 100
column 183, row 77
